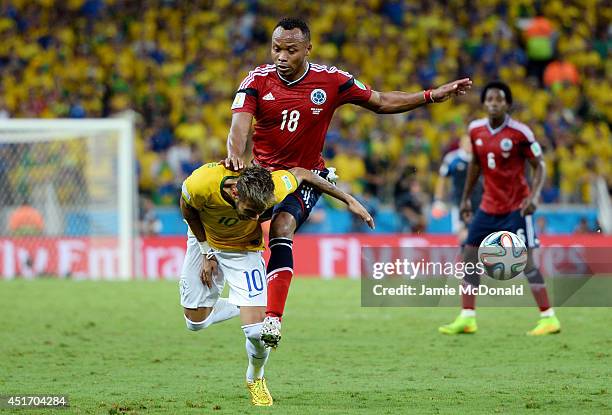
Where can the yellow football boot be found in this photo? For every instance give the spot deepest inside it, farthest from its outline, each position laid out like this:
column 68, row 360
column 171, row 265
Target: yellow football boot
column 260, row 395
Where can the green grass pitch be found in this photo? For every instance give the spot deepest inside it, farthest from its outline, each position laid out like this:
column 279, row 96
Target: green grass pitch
column 122, row 347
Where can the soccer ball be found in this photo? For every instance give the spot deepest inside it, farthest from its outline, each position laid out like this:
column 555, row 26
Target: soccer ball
column 503, row 255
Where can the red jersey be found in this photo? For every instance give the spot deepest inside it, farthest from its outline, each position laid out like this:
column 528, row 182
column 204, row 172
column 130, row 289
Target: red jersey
column 293, row 117
column 502, row 153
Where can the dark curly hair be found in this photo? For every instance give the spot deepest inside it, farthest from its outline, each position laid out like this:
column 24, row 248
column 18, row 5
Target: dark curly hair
column 289, row 23
column 497, row 85
column 255, row 186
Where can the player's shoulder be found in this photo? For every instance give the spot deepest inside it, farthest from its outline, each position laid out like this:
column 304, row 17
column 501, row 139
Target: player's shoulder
column 258, row 71
column 450, row 156
column 329, row 71
column 208, row 176
column 521, row 128
column 447, row 162
column 266, row 67
column 284, row 178
column 284, row 183
column 478, row 123
column 203, row 183
column 212, row 167
column 317, row 67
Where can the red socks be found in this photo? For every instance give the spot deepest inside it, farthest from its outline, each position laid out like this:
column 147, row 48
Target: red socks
column 278, row 289
column 541, row 296
column 280, row 271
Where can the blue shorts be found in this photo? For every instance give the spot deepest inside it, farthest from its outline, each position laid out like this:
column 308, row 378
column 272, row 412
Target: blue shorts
column 300, row 203
column 484, row 224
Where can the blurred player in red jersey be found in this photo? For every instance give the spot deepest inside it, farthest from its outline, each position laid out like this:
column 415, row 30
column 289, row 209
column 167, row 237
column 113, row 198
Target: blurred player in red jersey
column 293, row 102
column 500, row 147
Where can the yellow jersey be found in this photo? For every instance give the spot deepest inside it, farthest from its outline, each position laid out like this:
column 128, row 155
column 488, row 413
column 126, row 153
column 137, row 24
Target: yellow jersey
column 224, row 230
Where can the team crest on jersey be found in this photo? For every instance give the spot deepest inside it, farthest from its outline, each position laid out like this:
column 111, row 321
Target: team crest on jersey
column 479, row 142
column 318, row 96
column 506, row 144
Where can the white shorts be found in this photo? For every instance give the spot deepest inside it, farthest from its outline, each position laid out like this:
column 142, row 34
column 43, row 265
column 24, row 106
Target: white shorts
column 245, row 273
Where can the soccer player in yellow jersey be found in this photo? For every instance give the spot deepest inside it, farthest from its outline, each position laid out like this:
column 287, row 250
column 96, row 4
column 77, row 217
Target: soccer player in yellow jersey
column 224, row 244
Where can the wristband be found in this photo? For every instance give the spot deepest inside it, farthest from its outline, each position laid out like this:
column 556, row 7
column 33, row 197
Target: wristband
column 211, row 254
column 427, row 95
column 204, row 247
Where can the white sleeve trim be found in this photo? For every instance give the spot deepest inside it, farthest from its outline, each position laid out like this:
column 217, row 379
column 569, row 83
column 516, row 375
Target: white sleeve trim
column 477, row 123
column 185, row 192
column 525, row 130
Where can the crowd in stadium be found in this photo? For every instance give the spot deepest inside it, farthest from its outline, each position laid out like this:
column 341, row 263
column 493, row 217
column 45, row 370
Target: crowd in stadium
column 174, row 66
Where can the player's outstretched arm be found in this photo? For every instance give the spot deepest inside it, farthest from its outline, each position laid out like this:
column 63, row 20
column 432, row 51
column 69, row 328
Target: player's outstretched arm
column 319, row 183
column 397, row 101
column 237, row 140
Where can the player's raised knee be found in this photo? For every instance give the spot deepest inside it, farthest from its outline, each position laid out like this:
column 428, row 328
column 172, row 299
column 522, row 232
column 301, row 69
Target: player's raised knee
column 196, row 319
column 283, row 225
column 195, row 326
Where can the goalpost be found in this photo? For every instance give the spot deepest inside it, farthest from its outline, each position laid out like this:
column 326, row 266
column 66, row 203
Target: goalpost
column 67, row 198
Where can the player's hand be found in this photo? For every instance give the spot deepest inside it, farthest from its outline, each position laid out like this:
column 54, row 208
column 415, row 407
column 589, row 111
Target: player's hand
column 452, row 89
column 358, row 209
column 209, row 270
column 528, row 206
column 465, row 210
column 233, row 162
column 332, row 176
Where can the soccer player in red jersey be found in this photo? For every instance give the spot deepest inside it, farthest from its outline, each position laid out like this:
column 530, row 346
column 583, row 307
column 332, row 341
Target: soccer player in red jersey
column 500, row 147
column 293, row 101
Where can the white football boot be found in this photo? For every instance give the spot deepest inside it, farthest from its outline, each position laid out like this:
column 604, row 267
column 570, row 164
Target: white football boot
column 271, row 331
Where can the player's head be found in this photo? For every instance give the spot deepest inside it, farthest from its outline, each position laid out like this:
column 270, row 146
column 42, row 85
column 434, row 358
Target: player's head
column 497, row 98
column 290, row 46
column 253, row 192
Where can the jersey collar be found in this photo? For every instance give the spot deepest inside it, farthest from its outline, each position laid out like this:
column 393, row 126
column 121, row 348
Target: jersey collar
column 501, row 127
column 291, row 83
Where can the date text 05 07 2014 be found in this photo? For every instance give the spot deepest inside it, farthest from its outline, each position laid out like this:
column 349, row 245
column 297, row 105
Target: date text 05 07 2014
column 33, row 401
